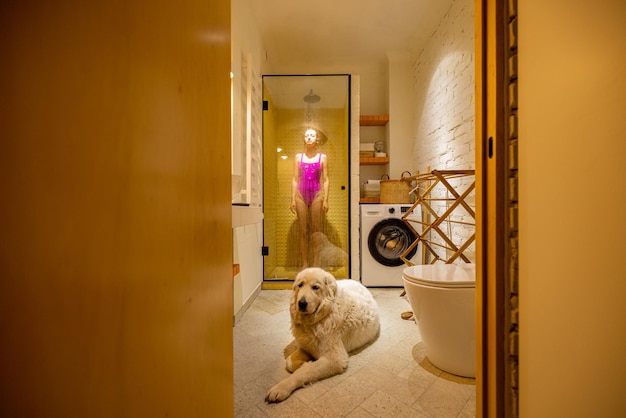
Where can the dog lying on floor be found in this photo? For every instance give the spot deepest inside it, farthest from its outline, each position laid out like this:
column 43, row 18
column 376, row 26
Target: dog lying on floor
column 329, row 319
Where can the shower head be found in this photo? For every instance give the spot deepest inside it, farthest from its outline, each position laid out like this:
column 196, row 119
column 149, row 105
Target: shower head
column 311, row 98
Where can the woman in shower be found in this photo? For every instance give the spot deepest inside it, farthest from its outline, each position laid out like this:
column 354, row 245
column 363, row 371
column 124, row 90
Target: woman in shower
column 309, row 193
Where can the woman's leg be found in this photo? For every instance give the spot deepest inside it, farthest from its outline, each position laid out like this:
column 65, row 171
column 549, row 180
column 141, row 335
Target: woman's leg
column 317, row 218
column 302, row 210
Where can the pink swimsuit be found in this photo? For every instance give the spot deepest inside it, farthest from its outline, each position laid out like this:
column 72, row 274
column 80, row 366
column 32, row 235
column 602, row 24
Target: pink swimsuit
column 310, row 174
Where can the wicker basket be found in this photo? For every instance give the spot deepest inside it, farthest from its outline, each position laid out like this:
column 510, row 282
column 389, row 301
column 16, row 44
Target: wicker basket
column 396, row 191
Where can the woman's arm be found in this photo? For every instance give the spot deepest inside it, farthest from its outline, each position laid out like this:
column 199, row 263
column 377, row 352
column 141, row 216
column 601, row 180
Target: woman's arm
column 325, row 181
column 294, row 182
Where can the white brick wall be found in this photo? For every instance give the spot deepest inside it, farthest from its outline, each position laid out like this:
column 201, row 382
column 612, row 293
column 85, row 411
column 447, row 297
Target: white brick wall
column 443, row 76
column 444, row 136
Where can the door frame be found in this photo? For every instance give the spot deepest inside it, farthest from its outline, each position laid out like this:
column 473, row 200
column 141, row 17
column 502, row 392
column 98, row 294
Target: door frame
column 347, row 187
column 496, row 171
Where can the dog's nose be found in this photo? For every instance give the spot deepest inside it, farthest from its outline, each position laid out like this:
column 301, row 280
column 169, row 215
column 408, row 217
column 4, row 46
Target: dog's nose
column 302, row 304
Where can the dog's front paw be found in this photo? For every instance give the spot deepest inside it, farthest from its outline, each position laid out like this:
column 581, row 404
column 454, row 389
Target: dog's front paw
column 290, row 348
column 278, row 393
column 297, row 359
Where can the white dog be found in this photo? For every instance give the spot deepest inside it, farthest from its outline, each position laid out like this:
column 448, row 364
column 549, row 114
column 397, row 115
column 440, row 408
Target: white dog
column 329, row 319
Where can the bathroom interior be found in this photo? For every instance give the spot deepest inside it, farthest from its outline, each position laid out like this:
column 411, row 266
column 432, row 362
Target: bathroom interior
column 422, row 99
column 128, row 182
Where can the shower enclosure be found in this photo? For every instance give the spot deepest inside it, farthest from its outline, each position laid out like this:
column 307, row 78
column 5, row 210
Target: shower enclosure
column 292, row 104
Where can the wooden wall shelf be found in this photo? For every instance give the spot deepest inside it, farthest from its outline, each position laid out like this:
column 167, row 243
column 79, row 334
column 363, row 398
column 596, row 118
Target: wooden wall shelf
column 373, row 120
column 374, row 160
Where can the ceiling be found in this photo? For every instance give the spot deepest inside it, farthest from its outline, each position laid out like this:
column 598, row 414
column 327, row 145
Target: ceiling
column 330, row 36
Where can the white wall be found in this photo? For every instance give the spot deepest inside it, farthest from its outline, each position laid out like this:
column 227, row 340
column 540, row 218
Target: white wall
column 401, row 110
column 572, row 159
column 247, row 221
column 443, row 75
column 443, row 135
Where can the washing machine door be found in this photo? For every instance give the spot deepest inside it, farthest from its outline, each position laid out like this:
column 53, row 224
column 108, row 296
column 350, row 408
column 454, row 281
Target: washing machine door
column 388, row 240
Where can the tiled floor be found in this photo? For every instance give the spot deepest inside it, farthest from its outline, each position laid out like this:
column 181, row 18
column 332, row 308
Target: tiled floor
column 390, row 378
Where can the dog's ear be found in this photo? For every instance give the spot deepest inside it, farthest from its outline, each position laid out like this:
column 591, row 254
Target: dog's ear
column 327, row 300
column 331, row 285
column 293, row 303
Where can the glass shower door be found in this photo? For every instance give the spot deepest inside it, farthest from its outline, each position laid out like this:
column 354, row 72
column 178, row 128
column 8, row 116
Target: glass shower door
column 306, row 135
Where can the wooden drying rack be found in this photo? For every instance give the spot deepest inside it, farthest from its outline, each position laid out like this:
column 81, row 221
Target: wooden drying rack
column 431, row 181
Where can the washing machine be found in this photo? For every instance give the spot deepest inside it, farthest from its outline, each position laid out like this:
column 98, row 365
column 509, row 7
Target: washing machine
column 384, row 238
